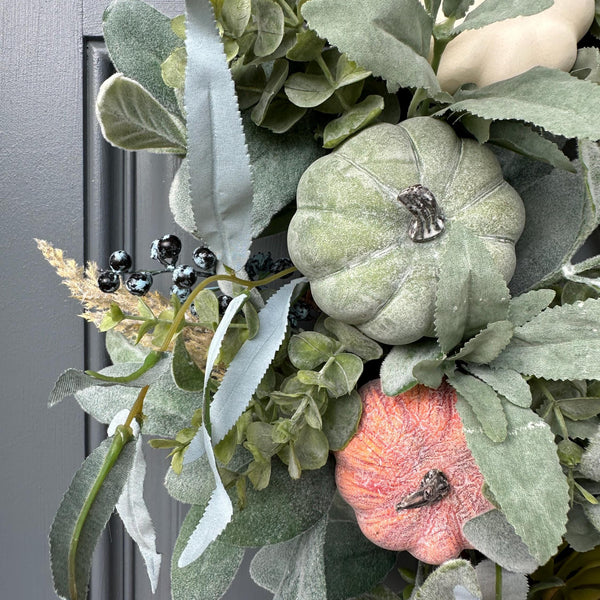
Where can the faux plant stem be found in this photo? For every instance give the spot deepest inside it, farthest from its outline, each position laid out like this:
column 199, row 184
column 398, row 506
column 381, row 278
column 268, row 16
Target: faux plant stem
column 150, row 360
column 122, row 435
column 498, row 582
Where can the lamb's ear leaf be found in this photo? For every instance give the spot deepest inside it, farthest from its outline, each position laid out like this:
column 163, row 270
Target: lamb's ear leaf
column 518, row 472
column 113, row 460
column 513, row 585
column 219, row 166
column 581, row 534
column 523, row 308
column 212, row 573
column 487, row 344
column 491, row 12
column 139, row 39
column 508, row 383
column 446, row 578
column 494, row 536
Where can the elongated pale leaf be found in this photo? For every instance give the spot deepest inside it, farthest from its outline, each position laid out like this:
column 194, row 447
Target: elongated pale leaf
column 220, row 178
column 494, row 536
column 294, row 569
column 526, row 306
column 484, row 402
column 139, row 39
column 251, row 362
column 397, row 367
column 487, row 344
column 513, row 585
column 132, row 119
column 510, row 384
column 442, row 582
column 69, row 383
column 471, row 291
column 63, row 526
column 519, row 473
column 379, row 35
column 560, row 343
column 132, row 508
column 549, row 98
column 492, row 11
column 208, row 577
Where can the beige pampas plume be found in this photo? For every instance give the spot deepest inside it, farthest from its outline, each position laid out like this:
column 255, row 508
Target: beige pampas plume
column 83, row 286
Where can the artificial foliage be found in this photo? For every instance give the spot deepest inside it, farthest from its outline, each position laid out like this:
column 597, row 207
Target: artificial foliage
column 326, row 120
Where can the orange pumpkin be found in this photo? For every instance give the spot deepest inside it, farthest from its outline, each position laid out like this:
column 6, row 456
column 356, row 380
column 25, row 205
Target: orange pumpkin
column 409, row 475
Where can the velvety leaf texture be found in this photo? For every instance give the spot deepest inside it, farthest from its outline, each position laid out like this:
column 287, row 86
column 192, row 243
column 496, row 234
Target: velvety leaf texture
column 526, row 306
column 379, row 35
column 490, row 12
column 101, row 510
column 510, row 384
column 220, row 174
column 441, row 583
column 519, row 473
column 513, row 586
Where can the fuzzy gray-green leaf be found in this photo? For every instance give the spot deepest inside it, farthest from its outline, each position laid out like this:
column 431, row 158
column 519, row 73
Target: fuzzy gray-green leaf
column 487, row 344
column 442, row 582
column 490, row 12
column 560, row 343
column 68, row 513
column 340, row 421
column 508, row 383
column 132, row 119
column 268, row 19
column 397, row 367
column 309, row 349
column 525, row 307
column 519, row 472
column 186, row 374
column 512, row 585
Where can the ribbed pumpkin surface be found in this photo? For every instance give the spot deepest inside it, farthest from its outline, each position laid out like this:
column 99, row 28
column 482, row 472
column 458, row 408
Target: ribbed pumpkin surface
column 399, row 439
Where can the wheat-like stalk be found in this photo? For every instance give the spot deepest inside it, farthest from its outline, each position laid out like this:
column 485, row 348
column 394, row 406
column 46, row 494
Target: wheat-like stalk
column 82, row 284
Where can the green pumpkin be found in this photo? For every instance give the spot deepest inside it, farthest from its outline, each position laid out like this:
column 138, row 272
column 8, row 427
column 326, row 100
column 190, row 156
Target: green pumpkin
column 370, row 261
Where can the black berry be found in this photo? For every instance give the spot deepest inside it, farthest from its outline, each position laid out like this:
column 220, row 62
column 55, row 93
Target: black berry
column 224, row 302
column 184, row 276
column 166, row 249
column 280, row 265
column 139, row 284
column 120, row 261
column 205, row 260
column 109, row 281
column 181, row 292
column 258, row 265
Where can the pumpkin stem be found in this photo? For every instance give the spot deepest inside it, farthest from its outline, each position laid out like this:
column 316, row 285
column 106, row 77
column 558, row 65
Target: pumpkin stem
column 433, row 488
column 428, row 219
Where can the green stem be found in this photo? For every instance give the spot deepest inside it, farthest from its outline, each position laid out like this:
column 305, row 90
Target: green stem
column 321, row 62
column 151, row 359
column 290, row 13
column 498, row 582
column 122, row 435
column 418, row 97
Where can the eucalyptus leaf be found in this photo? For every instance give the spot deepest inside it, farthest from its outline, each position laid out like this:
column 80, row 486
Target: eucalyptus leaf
column 512, row 585
column 282, row 115
column 491, row 12
column 308, row 47
column 173, row 69
column 251, row 363
column 268, row 19
column 235, row 15
column 494, row 536
column 549, row 98
column 456, row 8
column 354, row 119
column 250, row 81
column 294, row 569
column 139, row 39
column 309, row 349
column 274, row 83
column 206, row 306
column 220, row 178
column 484, row 402
column 71, row 506
column 519, row 472
column 339, row 375
column 186, row 374
column 510, row 384
column 560, row 343
column 581, row 535
column 208, row 577
column 442, row 582
column 132, row 119
column 525, row 307
column 307, row 90
column 341, row 419
column 397, row 367
column 353, row 340
column 470, row 292
column 380, row 35
column 487, row 344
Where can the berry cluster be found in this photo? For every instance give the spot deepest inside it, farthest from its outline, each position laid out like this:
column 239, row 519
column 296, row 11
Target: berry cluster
column 262, row 265
column 166, row 251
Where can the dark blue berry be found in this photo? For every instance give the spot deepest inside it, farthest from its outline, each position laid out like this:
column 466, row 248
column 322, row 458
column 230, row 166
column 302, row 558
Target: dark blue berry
column 181, row 292
column 109, row 281
column 205, row 260
column 166, row 249
column 298, row 312
column 280, row 265
column 120, row 261
column 139, row 284
column 184, row 276
column 224, row 302
column 258, row 265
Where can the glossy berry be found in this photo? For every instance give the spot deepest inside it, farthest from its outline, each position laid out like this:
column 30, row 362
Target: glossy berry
column 258, row 265
column 120, row 261
column 280, row 265
column 139, row 284
column 181, row 292
column 299, row 312
column 166, row 249
column 224, row 302
column 205, row 260
column 184, row 276
column 109, row 281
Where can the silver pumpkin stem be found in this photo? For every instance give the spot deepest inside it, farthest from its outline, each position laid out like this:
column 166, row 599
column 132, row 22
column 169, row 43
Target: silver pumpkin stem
column 428, row 219
column 433, row 488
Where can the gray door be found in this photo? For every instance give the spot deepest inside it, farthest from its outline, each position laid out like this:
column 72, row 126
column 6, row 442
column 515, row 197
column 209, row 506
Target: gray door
column 59, row 181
